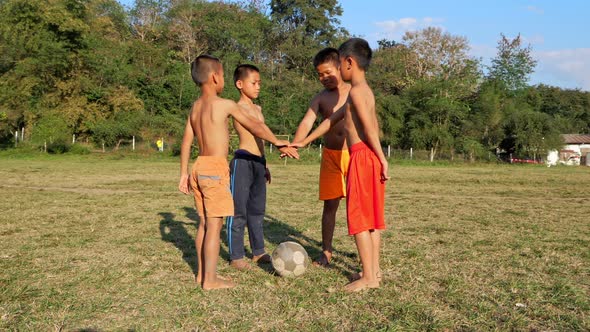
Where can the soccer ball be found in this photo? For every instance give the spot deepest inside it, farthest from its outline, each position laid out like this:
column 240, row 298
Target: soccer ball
column 289, row 259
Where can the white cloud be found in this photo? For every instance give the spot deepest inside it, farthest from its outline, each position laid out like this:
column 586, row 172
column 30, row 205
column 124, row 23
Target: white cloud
column 394, row 30
column 535, row 10
column 568, row 68
column 534, row 39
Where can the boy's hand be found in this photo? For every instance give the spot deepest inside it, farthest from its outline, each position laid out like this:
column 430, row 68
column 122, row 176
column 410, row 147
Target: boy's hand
column 289, row 152
column 297, row 145
column 267, row 175
column 281, row 143
column 183, row 185
column 384, row 171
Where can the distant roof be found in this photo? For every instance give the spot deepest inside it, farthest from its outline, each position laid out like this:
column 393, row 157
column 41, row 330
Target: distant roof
column 576, row 138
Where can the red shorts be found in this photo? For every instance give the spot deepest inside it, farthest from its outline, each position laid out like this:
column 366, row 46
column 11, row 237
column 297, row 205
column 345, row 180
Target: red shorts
column 365, row 192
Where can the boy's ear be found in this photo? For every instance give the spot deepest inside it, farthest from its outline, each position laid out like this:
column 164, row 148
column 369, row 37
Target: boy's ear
column 349, row 60
column 215, row 77
column 239, row 84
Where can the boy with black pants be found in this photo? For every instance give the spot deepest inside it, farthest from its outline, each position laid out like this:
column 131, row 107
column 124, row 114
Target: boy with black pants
column 248, row 176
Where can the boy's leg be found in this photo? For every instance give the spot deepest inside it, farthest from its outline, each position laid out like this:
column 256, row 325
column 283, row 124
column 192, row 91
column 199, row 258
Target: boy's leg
column 328, row 226
column 199, row 246
column 256, row 207
column 364, row 244
column 240, row 187
column 211, row 245
column 376, row 242
column 376, row 238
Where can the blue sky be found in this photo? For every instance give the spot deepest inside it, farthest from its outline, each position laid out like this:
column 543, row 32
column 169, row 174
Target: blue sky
column 558, row 31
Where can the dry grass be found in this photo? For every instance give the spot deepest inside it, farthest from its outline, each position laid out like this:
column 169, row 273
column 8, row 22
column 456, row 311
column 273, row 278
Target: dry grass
column 104, row 243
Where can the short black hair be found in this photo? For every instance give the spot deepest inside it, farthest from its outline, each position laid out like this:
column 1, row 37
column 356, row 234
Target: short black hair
column 328, row 54
column 358, row 49
column 202, row 67
column 243, row 70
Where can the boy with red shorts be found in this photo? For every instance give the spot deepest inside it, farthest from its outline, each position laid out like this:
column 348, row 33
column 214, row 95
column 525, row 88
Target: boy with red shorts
column 368, row 168
column 209, row 177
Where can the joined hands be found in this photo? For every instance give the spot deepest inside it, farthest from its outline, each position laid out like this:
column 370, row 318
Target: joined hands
column 286, row 149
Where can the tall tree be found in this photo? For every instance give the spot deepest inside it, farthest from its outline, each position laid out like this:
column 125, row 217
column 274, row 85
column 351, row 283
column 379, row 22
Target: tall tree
column 147, row 18
column 513, row 63
column 303, row 27
column 440, row 55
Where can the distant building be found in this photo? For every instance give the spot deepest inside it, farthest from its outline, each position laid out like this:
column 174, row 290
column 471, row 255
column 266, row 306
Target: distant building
column 576, row 151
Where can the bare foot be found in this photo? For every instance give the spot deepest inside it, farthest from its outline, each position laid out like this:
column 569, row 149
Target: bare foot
column 360, row 285
column 240, row 264
column 358, row 275
column 323, row 260
column 199, row 280
column 262, row 259
column 219, row 283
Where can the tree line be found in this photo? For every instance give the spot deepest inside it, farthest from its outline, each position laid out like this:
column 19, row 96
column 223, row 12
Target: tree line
column 105, row 73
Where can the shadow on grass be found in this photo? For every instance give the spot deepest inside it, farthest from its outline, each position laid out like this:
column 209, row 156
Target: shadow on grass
column 277, row 231
column 179, row 233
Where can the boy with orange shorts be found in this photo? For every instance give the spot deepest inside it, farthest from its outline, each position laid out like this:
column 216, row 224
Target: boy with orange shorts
column 368, row 168
column 209, row 176
column 334, row 164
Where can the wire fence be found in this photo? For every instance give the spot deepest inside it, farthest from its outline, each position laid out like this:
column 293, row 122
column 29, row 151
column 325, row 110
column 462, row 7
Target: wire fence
column 312, row 153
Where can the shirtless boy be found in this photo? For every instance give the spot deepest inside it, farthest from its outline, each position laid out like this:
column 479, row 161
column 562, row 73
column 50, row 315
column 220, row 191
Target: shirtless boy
column 335, row 156
column 209, row 176
column 249, row 175
column 365, row 190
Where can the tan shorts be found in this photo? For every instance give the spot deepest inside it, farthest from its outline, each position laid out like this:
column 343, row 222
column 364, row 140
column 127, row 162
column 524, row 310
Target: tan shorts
column 333, row 174
column 210, row 183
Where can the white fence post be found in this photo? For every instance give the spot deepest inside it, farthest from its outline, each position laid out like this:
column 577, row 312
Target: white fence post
column 411, row 152
column 73, row 138
column 389, row 151
column 133, row 144
column 15, row 138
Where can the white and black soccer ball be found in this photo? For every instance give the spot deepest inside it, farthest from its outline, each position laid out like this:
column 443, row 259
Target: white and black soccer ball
column 290, row 259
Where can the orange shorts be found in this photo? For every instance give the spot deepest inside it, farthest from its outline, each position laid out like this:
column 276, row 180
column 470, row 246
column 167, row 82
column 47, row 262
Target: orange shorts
column 210, row 182
column 365, row 191
column 333, row 172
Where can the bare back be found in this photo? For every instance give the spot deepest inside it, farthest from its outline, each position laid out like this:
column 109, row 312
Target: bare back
column 209, row 120
column 355, row 131
column 329, row 102
column 249, row 142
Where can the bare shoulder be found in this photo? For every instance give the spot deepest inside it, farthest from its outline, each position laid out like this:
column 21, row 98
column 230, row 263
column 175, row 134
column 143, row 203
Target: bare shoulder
column 258, row 109
column 361, row 94
column 226, row 106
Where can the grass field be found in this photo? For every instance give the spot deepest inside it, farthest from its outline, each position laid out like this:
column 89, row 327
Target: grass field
column 105, row 243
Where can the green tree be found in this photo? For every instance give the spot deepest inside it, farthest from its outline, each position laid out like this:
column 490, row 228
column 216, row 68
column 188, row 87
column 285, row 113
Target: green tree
column 433, row 120
column 513, row 63
column 530, row 133
column 302, row 28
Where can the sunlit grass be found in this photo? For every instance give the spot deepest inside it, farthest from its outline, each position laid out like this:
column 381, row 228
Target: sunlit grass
column 106, row 243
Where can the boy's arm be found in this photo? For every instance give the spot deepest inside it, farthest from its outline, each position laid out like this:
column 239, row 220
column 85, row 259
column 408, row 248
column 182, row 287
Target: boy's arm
column 256, row 127
column 185, row 153
column 308, row 120
column 323, row 128
column 370, row 125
